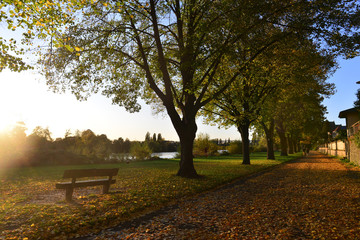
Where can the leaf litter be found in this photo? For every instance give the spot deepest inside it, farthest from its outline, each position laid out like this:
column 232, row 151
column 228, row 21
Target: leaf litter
column 315, row 197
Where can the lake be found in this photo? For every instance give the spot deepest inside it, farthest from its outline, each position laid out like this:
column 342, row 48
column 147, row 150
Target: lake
column 127, row 156
column 165, row 154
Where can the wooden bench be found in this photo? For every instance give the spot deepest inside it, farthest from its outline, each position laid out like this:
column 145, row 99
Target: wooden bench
column 82, row 173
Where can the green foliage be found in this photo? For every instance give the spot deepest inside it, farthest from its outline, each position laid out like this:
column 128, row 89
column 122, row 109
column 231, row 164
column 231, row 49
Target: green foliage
column 258, row 142
column 203, row 146
column 17, row 149
column 42, row 133
column 356, row 139
column 357, row 101
column 342, row 135
column 141, row 151
column 235, row 147
column 147, row 137
column 30, row 207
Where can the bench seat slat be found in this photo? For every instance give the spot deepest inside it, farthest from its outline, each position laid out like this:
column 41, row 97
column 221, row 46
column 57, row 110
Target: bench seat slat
column 84, row 183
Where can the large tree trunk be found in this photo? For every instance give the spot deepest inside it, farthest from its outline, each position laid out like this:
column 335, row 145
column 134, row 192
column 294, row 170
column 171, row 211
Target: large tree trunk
column 294, row 142
column 187, row 136
column 186, row 129
column 283, row 141
column 243, row 128
column 269, row 134
column 186, row 168
column 290, row 144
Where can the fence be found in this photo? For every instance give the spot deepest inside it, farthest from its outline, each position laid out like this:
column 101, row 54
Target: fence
column 336, row 148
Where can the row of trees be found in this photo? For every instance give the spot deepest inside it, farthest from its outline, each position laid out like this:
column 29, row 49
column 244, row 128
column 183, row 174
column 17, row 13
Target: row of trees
column 236, row 62
column 157, row 143
column 39, row 148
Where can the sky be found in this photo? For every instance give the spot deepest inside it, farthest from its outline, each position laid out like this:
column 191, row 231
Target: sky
column 345, row 79
column 25, row 97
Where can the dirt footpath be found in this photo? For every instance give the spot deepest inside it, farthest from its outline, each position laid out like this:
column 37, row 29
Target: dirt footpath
column 315, row 197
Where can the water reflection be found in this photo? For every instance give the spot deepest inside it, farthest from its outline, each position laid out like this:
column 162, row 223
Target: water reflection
column 167, row 155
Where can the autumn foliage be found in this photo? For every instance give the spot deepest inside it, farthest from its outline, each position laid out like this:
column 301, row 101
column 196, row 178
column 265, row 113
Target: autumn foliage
column 31, row 207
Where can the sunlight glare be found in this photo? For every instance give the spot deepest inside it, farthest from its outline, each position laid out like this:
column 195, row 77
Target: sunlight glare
column 10, row 102
column 6, row 122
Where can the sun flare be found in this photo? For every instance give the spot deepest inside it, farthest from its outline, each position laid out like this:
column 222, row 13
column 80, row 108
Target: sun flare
column 6, row 123
column 11, row 101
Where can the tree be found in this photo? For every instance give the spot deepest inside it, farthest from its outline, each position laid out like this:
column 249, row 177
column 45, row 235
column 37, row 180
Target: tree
column 241, row 104
column 118, row 145
column 40, row 139
column 42, row 132
column 203, row 146
column 127, row 145
column 88, row 140
column 68, row 133
column 141, row 151
column 297, row 111
column 102, row 146
column 17, row 14
column 15, row 143
column 159, row 138
column 235, row 147
column 285, row 111
column 171, row 52
column 147, row 137
column 267, row 123
column 357, row 101
column 7, row 60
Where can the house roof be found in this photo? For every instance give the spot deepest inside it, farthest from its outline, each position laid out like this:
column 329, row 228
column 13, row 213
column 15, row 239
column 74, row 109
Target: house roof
column 344, row 113
column 339, row 127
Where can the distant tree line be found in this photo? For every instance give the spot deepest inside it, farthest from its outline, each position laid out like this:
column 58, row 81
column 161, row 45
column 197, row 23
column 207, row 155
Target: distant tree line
column 158, row 144
column 204, row 146
column 39, row 148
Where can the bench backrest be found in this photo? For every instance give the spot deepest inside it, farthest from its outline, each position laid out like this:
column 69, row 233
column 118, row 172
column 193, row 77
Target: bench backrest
column 80, row 173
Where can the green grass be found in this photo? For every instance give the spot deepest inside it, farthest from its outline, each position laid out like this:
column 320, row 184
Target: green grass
column 140, row 187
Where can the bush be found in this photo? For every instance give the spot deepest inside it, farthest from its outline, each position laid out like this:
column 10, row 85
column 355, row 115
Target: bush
column 259, row 148
column 141, row 151
column 203, row 146
column 235, row 147
column 356, row 139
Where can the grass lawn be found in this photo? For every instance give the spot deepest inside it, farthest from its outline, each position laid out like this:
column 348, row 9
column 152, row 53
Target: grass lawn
column 31, row 207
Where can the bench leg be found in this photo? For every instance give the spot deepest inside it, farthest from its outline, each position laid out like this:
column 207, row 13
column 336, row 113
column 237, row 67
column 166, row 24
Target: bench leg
column 68, row 194
column 106, row 188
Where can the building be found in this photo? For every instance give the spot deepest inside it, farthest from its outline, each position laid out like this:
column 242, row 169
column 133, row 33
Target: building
column 352, row 117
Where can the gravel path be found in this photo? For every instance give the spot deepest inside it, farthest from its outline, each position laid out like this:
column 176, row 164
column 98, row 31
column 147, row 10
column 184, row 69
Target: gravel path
column 315, row 197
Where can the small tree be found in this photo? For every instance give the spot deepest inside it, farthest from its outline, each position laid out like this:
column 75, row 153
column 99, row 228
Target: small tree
column 357, row 102
column 203, row 146
column 159, row 138
column 141, row 151
column 147, row 137
column 235, row 147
